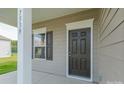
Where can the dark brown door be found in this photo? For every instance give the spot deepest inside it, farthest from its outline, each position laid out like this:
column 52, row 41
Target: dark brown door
column 79, row 52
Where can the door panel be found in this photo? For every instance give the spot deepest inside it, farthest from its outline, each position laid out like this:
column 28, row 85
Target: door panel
column 74, row 46
column 83, row 46
column 79, row 52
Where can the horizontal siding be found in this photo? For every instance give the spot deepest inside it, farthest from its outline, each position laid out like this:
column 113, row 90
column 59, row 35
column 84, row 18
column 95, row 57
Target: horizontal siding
column 114, row 24
column 111, row 46
column 114, row 37
column 108, row 19
column 110, row 69
column 104, row 16
column 116, row 51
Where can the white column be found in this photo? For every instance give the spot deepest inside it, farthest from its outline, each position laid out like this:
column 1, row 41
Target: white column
column 24, row 65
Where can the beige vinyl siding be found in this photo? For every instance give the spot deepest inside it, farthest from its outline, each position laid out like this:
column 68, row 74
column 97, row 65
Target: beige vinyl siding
column 111, row 46
column 58, row 26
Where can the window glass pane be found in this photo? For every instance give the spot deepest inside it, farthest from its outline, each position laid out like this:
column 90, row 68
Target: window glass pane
column 39, row 52
column 42, row 52
column 39, row 39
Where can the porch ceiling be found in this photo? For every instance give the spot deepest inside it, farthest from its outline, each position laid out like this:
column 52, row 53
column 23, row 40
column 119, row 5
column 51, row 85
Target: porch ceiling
column 9, row 15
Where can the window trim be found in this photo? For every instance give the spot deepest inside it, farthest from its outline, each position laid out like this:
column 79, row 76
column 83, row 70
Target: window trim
column 39, row 31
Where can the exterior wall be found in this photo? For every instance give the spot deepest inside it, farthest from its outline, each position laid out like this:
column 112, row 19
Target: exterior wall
column 5, row 48
column 111, row 46
column 58, row 65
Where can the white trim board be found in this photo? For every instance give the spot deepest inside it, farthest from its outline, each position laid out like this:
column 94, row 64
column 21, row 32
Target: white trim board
column 80, row 25
column 40, row 30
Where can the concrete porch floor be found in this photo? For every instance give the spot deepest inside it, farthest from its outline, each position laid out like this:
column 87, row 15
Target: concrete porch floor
column 41, row 78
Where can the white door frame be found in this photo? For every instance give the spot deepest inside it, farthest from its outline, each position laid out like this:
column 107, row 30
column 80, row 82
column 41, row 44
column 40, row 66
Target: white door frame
column 80, row 25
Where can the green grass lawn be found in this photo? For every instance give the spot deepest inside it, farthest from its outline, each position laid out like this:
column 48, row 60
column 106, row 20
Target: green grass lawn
column 8, row 64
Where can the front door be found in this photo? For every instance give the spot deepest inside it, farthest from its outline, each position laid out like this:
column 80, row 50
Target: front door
column 79, row 52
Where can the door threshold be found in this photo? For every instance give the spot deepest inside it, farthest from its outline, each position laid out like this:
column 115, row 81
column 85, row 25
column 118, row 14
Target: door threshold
column 80, row 78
